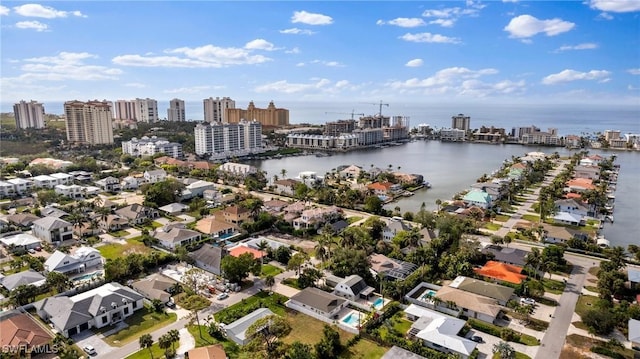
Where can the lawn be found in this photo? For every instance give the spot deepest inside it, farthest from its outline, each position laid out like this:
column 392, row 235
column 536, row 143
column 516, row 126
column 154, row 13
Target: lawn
column 143, row 321
column 531, row 217
column 120, row 233
column 268, row 269
column 354, row 219
column 309, row 330
column 144, row 353
column 594, row 271
column 114, row 250
column 581, row 342
column 553, row 286
column 272, row 301
column 502, row 218
column 585, row 303
column 492, row 226
column 591, row 288
column 191, row 302
column 364, row 349
column 203, row 338
column 518, row 356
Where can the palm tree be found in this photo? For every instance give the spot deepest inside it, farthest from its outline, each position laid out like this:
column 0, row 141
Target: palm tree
column 269, row 281
column 262, row 246
column 283, row 172
column 146, row 341
column 165, row 342
column 174, row 334
column 504, row 350
column 438, row 203
column 534, row 259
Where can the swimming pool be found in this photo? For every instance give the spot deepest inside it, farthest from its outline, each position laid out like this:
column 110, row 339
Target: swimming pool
column 352, row 319
column 428, row 295
column 87, row 276
column 378, row 304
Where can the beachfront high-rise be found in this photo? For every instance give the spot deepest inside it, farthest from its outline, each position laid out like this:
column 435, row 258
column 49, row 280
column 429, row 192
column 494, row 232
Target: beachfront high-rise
column 89, row 123
column 228, row 139
column 215, row 110
column 270, row 116
column 125, row 110
column 29, row 114
column 176, row 111
column 461, row 122
column 146, row 110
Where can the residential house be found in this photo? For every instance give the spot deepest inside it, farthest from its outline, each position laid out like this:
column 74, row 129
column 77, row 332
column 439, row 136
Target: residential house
column 7, row 190
column 439, row 331
column 72, row 191
column 20, row 242
column 560, row 234
column 236, row 331
column 209, row 352
column 174, row 208
column 569, row 218
column 392, row 269
column 81, row 176
column 212, row 195
column 236, row 215
column 52, row 229
column 78, row 262
column 286, row 186
column 499, row 293
column 243, row 248
column 21, row 186
column 216, row 228
column 589, row 172
column 137, row 213
column 399, row 353
column 351, row 172
column 100, row 307
column 155, row 286
column 501, row 272
column 208, row 257
column 634, row 333
column 113, row 222
column 470, row 304
column 21, row 333
column 573, row 206
column 275, row 206
column 495, row 189
column 129, row 183
column 28, row 277
column 44, row 181
column 580, row 185
column 22, row 220
column 478, row 198
column 173, row 237
column 310, row 178
column 50, row 211
column 353, row 287
column 317, row 303
column 154, row 176
column 409, row 178
column 508, row 255
column 62, row 178
column 384, row 189
column 316, row 217
column 237, row 169
column 593, row 160
column 393, row 227
column 197, row 189
column 109, row 184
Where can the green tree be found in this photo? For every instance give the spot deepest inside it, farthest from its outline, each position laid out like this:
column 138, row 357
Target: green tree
column 296, row 261
column 269, row 281
column 164, row 342
column 298, row 350
column 373, row 204
column 162, row 193
column 329, row 346
column 23, row 294
column 599, row 321
column 266, row 332
column 58, row 281
column 146, row 341
column 236, row 269
column 347, row 261
column 174, row 335
column 308, row 277
column 504, row 350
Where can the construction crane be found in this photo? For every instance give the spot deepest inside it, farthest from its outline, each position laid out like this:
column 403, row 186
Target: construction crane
column 379, row 104
column 352, row 113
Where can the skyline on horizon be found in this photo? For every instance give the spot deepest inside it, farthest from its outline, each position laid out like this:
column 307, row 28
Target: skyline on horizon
column 467, row 52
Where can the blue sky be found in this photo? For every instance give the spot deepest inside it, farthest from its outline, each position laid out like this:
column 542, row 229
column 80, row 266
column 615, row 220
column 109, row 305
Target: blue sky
column 574, row 52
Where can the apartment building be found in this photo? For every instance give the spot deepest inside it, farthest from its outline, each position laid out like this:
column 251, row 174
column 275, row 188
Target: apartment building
column 461, row 122
column 146, row 110
column 176, row 110
column 150, row 146
column 29, row 114
column 89, row 123
column 215, row 110
column 270, row 116
column 228, row 139
column 125, row 110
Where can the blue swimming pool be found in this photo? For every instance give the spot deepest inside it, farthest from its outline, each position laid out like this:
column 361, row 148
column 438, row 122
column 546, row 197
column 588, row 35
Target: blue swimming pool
column 428, row 294
column 87, row 276
column 351, row 319
column 378, row 304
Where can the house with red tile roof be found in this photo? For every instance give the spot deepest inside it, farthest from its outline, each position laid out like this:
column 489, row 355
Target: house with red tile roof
column 502, row 272
column 242, row 249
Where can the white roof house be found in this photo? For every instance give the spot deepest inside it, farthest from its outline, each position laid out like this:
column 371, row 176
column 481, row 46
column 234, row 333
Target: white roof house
column 21, row 240
column 634, row 333
column 440, row 331
column 83, row 258
column 236, row 331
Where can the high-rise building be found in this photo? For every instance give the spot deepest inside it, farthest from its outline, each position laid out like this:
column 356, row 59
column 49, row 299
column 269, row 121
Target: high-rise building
column 271, row 116
column 151, row 146
column 29, row 114
column 146, row 110
column 125, row 110
column 176, row 112
column 89, row 123
column 461, row 122
column 228, row 139
column 215, row 110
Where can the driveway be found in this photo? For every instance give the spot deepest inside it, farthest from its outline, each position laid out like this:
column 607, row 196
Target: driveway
column 486, row 347
column 88, row 338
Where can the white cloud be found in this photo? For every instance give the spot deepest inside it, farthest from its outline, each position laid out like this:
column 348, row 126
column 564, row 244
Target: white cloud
column 634, row 71
column 300, row 64
column 403, row 22
column 294, row 50
column 616, row 5
column 443, row 22
column 65, row 66
column 429, row 37
column 525, row 26
column 297, row 31
column 316, row 86
column 135, row 85
column 327, row 63
column 260, row 44
column 47, row 12
column 459, row 81
column 584, row 46
column 35, row 25
column 604, row 15
column 192, row 89
column 197, row 57
column 308, row 18
column 4, row 10
column 414, row 63
column 569, row 75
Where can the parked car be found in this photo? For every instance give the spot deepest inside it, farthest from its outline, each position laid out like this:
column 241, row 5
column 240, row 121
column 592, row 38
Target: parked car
column 170, row 304
column 32, row 251
column 477, row 339
column 527, row 301
column 89, row 350
column 222, row 296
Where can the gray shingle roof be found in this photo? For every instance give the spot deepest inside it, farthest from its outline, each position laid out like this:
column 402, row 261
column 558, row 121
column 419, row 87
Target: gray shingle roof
column 319, row 299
